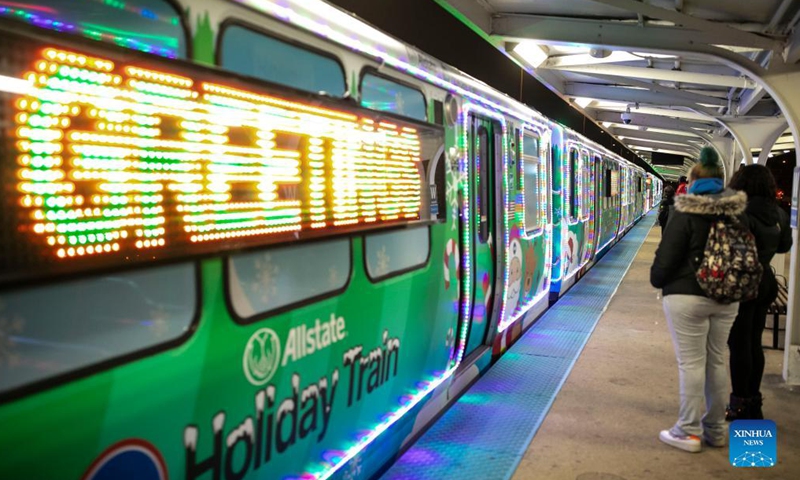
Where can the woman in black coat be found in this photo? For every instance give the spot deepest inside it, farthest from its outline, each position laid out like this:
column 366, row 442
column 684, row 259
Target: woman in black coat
column 667, row 202
column 770, row 225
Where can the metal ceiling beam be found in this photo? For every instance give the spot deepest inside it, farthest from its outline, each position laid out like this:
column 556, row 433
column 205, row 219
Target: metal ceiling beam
column 752, row 96
column 707, row 92
column 586, row 59
column 723, row 32
column 683, row 146
column 792, row 52
column 654, row 121
column 778, row 15
column 664, row 75
column 662, row 112
column 620, row 36
column 674, row 152
column 689, row 135
column 648, row 135
column 631, row 95
column 691, row 151
column 794, row 21
column 686, row 95
column 750, row 99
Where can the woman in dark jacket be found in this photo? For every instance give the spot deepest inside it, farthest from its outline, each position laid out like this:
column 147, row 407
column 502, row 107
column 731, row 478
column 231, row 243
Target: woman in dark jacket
column 698, row 324
column 770, row 225
column 666, row 203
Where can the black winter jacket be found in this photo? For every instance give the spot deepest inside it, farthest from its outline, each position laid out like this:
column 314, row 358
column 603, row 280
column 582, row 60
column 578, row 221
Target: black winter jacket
column 683, row 240
column 664, row 209
column 770, row 225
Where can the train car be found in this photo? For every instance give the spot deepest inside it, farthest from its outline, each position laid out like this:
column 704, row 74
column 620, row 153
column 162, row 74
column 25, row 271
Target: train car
column 261, row 239
column 595, row 211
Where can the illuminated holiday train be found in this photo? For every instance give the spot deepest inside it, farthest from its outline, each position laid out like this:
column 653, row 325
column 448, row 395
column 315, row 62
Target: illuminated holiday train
column 261, row 239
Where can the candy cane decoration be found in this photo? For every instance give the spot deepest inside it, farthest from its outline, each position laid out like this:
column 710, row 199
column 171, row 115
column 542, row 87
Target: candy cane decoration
column 451, row 250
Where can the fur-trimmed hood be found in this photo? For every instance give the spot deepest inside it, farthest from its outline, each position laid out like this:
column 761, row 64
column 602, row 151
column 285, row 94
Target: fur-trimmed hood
column 726, row 203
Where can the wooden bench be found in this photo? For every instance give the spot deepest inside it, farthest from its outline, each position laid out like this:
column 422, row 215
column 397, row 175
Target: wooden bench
column 778, row 308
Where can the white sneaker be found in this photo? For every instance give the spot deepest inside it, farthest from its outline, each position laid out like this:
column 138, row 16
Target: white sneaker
column 689, row 443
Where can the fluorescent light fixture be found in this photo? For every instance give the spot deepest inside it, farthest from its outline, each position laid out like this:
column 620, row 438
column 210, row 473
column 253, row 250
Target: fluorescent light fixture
column 531, row 52
column 583, row 102
column 606, row 124
column 651, row 55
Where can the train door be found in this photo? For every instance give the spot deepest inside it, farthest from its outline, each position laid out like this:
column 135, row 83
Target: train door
column 589, row 202
column 485, row 151
column 557, row 200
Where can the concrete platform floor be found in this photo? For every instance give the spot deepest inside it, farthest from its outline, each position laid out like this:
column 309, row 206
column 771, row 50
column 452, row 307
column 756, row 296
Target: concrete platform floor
column 623, row 390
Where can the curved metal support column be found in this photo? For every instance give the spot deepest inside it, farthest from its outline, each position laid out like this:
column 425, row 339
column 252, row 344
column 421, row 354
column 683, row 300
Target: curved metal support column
column 750, row 132
column 769, row 142
column 783, row 88
column 726, row 148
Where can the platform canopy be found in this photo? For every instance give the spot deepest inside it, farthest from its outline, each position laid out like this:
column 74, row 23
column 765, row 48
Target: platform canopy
column 625, row 64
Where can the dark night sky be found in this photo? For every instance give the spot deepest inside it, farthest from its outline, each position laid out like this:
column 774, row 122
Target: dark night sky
column 433, row 30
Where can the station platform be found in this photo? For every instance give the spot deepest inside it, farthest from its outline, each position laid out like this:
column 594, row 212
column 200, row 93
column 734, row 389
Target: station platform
column 583, row 394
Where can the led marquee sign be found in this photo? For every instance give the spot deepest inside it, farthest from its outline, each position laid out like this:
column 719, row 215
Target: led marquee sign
column 117, row 162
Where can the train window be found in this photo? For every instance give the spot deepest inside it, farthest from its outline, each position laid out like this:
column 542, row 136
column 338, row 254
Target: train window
column 57, row 329
column 483, row 182
column 152, row 26
column 393, row 253
column 586, row 187
column 379, row 93
column 531, row 183
column 268, row 58
column 273, row 280
column 574, row 184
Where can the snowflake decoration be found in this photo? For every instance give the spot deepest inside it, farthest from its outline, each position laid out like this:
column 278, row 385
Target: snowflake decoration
column 751, row 459
column 383, row 262
column 454, row 185
column 9, row 325
column 453, row 218
column 267, row 277
column 353, row 469
column 457, row 178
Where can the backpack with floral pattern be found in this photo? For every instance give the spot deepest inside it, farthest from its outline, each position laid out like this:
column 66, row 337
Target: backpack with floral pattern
column 730, row 271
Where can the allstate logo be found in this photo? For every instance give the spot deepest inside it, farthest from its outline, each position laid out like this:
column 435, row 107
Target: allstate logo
column 261, row 356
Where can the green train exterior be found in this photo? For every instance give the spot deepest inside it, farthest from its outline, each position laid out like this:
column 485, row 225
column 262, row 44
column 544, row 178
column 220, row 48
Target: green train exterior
column 598, row 198
column 321, row 358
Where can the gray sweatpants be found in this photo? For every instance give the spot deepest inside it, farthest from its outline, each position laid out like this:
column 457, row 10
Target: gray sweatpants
column 700, row 328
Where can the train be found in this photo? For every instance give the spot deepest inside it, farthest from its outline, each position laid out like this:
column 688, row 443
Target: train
column 261, row 239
